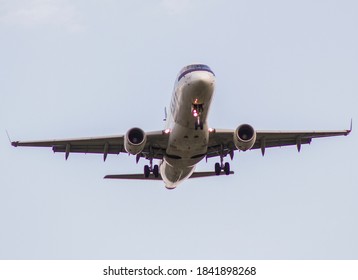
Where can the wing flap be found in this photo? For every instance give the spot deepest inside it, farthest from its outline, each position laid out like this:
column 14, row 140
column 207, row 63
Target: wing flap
column 90, row 149
column 280, row 142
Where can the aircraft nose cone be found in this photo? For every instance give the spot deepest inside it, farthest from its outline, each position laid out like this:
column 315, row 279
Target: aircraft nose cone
column 203, row 80
column 200, row 87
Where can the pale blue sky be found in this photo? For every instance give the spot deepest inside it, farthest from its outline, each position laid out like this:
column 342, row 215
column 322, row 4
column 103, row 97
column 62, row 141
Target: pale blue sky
column 93, row 68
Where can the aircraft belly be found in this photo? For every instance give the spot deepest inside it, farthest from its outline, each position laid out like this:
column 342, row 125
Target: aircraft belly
column 185, row 149
column 186, row 143
column 173, row 175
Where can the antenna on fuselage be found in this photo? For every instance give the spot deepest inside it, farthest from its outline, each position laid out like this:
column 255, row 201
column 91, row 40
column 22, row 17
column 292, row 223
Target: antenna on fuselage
column 165, row 114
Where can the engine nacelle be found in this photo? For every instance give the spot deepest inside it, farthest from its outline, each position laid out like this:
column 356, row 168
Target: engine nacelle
column 244, row 137
column 134, row 140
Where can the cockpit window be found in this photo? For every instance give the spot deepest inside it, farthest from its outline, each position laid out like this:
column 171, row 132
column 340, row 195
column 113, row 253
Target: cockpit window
column 192, row 68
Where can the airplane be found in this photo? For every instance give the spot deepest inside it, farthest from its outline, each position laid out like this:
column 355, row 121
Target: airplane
column 186, row 139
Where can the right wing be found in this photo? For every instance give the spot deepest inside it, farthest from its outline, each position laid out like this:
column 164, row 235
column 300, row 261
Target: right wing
column 221, row 140
column 155, row 146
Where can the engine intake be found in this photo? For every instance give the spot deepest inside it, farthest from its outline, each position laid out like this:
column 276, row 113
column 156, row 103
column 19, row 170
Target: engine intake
column 134, row 140
column 244, row 137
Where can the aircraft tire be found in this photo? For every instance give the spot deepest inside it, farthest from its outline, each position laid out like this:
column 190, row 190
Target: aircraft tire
column 217, row 168
column 146, row 171
column 156, row 171
column 227, row 168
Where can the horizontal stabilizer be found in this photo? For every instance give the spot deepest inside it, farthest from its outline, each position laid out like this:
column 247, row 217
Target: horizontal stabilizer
column 151, row 177
column 132, row 177
column 205, row 174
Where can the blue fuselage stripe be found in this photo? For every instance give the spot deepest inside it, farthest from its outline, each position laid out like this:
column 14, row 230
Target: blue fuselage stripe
column 192, row 70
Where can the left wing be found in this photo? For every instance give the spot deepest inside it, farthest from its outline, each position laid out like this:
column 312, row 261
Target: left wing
column 221, row 141
column 155, row 146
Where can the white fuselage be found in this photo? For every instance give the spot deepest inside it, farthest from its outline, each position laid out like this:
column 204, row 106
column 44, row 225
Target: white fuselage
column 187, row 143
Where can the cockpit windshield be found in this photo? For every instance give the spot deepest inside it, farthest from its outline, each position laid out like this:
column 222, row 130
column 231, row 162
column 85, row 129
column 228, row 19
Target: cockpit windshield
column 192, row 68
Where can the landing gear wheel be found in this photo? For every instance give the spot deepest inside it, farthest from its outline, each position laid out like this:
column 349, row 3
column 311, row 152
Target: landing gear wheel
column 197, row 125
column 227, row 168
column 217, row 168
column 146, row 171
column 156, row 171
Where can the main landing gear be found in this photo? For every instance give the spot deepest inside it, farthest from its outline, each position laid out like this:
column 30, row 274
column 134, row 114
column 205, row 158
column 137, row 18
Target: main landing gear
column 221, row 166
column 151, row 169
column 196, row 111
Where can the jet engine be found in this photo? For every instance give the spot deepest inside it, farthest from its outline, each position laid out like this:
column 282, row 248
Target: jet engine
column 134, row 140
column 244, row 137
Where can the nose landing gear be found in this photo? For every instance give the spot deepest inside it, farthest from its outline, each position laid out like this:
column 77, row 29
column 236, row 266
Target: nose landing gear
column 198, row 124
column 197, row 109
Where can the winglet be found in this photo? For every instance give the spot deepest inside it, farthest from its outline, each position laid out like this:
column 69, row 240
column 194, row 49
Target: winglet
column 12, row 143
column 351, row 127
column 8, row 136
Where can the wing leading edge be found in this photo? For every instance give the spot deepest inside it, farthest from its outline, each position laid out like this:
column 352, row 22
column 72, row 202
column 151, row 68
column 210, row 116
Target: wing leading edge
column 221, row 141
column 156, row 145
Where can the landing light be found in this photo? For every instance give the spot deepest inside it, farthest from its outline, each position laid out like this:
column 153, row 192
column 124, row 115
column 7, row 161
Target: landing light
column 195, row 113
column 167, row 131
column 211, row 129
